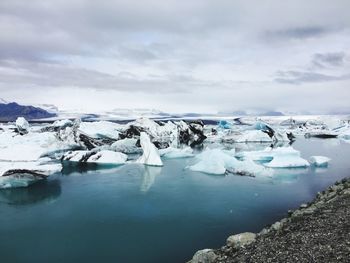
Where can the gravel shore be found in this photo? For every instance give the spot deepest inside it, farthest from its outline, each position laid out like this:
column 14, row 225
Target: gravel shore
column 316, row 232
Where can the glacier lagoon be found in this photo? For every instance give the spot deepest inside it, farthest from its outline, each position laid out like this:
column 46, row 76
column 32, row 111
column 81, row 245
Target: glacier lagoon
column 136, row 213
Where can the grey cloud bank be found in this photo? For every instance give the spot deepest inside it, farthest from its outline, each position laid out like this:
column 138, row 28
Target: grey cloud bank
column 193, row 56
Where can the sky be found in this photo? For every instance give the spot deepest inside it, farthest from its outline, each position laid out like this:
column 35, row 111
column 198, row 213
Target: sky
column 177, row 56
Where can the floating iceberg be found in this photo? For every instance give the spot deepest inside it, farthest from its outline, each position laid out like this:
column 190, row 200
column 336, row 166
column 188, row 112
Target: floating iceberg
column 319, row 161
column 217, row 161
column 99, row 157
column 211, row 161
column 253, row 136
column 150, row 154
column 22, row 125
column 287, row 157
column 281, row 157
column 23, row 174
column 265, row 155
column 101, row 129
column 171, row 153
column 127, row 145
column 164, row 134
column 224, row 124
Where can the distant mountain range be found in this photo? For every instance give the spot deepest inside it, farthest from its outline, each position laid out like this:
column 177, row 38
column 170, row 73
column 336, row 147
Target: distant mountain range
column 11, row 111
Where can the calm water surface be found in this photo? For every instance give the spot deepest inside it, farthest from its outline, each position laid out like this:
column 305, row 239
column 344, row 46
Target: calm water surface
column 139, row 214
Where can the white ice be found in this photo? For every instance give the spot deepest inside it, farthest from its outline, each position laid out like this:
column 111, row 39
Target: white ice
column 319, row 161
column 150, row 154
column 23, row 179
column 22, row 124
column 287, row 157
column 217, row 161
column 101, row 129
column 172, row 153
column 108, row 157
column 127, row 145
column 100, row 157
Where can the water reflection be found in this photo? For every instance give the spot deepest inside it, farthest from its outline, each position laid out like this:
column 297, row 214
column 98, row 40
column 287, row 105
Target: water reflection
column 43, row 191
column 149, row 175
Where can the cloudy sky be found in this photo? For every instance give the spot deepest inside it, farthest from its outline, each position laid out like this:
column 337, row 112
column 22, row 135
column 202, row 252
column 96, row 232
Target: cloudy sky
column 177, row 56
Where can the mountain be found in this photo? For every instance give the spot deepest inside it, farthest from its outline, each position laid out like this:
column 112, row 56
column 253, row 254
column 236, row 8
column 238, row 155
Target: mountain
column 10, row 112
column 272, row 113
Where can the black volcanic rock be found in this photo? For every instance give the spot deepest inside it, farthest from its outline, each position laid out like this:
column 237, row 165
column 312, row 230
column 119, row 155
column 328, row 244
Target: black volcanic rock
column 11, row 111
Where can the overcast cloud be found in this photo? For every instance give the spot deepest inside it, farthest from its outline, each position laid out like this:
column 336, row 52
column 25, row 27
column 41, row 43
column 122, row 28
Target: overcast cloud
column 177, row 56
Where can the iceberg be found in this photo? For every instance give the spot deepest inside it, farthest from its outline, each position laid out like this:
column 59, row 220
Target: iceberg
column 33, row 145
column 287, row 157
column 224, row 124
column 217, row 161
column 265, row 155
column 254, row 136
column 108, row 157
column 150, row 154
column 101, row 129
column 98, row 157
column 127, row 145
column 23, row 174
column 164, row 134
column 319, row 161
column 22, row 125
column 211, row 161
column 172, row 153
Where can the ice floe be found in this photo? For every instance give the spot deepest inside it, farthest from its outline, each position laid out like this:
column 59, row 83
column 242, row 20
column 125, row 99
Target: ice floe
column 217, row 161
column 319, row 161
column 172, row 153
column 101, row 129
column 23, row 174
column 280, row 157
column 287, row 157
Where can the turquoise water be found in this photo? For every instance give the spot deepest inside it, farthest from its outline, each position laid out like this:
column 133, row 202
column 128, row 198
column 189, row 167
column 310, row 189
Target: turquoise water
column 134, row 213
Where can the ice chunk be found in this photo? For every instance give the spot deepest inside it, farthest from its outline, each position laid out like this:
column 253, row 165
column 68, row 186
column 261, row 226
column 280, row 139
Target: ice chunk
column 217, row 161
column 253, row 136
column 31, row 146
column 99, row 157
column 23, row 174
column 22, row 125
column 127, row 145
column 319, row 161
column 101, row 129
column 287, row 157
column 211, row 161
column 108, row 157
column 150, row 154
column 76, row 156
column 224, row 124
column 267, row 154
column 171, row 153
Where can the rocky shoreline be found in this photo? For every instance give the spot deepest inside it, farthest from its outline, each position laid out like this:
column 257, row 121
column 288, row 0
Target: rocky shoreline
column 316, row 232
